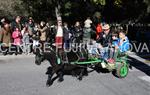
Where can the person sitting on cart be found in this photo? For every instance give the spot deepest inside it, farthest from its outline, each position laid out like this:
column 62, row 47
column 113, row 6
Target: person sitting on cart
column 105, row 42
column 115, row 38
column 121, row 45
column 123, row 42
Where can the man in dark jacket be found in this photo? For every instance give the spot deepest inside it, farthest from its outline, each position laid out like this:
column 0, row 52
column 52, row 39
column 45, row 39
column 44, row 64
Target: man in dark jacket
column 105, row 41
column 66, row 33
column 106, row 37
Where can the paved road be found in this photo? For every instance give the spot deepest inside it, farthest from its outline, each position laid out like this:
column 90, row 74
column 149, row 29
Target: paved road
column 20, row 76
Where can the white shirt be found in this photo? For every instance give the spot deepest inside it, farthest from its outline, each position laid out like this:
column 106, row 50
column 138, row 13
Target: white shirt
column 22, row 32
column 87, row 23
column 59, row 32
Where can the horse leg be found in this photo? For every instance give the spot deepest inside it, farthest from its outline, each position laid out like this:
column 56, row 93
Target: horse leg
column 81, row 74
column 49, row 80
column 50, row 75
column 85, row 72
column 60, row 74
column 51, row 72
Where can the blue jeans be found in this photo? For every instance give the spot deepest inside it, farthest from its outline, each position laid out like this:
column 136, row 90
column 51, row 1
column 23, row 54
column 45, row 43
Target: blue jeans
column 104, row 53
column 67, row 44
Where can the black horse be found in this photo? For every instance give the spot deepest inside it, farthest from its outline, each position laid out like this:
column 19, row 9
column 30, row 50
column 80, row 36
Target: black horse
column 59, row 68
column 51, row 57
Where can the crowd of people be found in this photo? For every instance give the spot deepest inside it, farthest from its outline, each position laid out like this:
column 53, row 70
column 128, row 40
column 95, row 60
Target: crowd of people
column 23, row 38
column 18, row 37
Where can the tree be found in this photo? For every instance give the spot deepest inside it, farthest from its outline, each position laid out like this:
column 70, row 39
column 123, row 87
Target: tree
column 112, row 10
column 10, row 8
column 101, row 2
column 147, row 2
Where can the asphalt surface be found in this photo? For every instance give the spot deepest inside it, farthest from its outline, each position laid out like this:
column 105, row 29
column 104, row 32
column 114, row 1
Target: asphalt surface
column 20, row 76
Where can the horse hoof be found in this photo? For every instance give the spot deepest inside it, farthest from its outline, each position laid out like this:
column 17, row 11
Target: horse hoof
column 16, row 53
column 80, row 78
column 49, row 83
column 37, row 63
column 60, row 80
column 86, row 74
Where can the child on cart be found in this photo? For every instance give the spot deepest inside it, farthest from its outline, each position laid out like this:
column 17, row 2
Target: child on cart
column 120, row 46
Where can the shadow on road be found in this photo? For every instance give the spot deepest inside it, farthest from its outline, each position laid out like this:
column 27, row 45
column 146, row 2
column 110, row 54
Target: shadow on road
column 75, row 72
column 140, row 65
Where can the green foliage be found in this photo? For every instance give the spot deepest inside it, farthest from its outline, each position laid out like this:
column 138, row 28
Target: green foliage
column 118, row 3
column 68, row 5
column 74, row 9
column 101, row 2
column 147, row 2
column 11, row 8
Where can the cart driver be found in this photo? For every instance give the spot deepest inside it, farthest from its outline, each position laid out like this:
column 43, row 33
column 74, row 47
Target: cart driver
column 105, row 41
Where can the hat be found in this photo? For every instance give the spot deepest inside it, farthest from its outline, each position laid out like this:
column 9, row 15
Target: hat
column 106, row 26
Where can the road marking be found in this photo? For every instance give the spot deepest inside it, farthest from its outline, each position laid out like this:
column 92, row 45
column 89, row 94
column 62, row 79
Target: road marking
column 133, row 70
column 138, row 58
column 145, row 78
column 133, row 55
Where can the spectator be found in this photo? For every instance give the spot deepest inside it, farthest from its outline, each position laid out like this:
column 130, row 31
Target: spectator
column 16, row 24
column 31, row 26
column 36, row 36
column 48, row 33
column 59, row 35
column 87, row 30
column 87, row 23
column 98, row 31
column 17, row 37
column 2, row 22
column 78, row 32
column 66, row 33
column 43, row 31
column 5, row 37
column 25, row 40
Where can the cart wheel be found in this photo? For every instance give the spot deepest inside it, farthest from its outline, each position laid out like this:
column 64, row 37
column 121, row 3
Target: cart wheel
column 122, row 70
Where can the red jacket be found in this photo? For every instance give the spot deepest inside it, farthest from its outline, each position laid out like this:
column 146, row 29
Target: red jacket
column 17, row 37
column 98, row 30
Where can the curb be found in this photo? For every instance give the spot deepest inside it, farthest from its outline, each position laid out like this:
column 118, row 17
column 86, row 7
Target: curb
column 8, row 57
